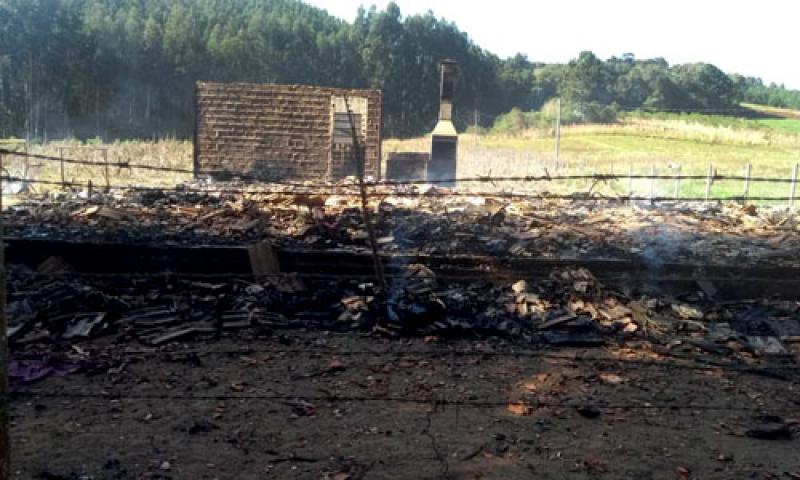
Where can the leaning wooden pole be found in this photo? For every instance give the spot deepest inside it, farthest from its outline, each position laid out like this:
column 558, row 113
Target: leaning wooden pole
column 5, row 442
column 359, row 158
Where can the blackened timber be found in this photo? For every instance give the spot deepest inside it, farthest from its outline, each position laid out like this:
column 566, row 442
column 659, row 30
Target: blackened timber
column 130, row 258
column 731, row 281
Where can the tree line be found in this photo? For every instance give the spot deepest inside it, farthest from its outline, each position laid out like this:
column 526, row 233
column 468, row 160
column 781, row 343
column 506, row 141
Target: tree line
column 127, row 68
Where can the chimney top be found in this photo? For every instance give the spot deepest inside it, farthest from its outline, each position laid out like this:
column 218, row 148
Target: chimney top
column 449, row 72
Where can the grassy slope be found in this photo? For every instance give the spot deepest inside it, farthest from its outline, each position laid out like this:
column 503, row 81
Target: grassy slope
column 638, row 143
column 665, row 141
column 784, row 124
column 774, row 111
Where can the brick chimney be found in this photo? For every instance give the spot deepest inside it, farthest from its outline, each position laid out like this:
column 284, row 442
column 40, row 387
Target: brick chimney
column 444, row 138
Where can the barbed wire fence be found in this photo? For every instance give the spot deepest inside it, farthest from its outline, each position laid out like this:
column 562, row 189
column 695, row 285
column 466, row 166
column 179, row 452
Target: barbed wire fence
column 592, row 179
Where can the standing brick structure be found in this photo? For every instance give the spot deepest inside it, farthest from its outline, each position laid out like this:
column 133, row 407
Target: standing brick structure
column 274, row 132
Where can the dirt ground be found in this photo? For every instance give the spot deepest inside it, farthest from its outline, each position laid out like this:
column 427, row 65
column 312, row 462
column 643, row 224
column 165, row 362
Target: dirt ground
column 312, row 405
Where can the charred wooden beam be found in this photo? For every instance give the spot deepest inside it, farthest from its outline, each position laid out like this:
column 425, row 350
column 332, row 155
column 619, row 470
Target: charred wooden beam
column 730, row 281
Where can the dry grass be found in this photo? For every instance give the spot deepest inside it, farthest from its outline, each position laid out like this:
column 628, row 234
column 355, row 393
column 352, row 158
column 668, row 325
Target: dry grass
column 637, row 145
column 165, row 153
column 690, row 131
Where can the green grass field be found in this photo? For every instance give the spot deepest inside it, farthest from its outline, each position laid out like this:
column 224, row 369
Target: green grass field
column 782, row 124
column 665, row 143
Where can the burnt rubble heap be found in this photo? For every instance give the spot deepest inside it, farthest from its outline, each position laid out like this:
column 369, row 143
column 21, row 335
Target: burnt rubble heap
column 76, row 315
column 61, row 320
column 431, row 222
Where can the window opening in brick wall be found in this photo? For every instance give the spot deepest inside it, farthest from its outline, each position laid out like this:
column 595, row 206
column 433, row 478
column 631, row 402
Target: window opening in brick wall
column 342, row 131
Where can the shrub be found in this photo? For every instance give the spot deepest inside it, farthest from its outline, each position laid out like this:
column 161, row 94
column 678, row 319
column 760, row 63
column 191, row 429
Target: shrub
column 516, row 121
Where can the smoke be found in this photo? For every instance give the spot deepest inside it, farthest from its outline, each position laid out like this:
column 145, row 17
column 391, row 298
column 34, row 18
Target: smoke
column 659, row 242
column 127, row 108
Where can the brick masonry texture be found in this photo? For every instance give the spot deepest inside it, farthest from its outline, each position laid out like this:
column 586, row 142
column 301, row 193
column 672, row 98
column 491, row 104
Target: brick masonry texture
column 276, row 132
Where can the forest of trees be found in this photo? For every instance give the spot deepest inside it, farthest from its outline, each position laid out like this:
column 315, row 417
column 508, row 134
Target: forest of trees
column 126, row 68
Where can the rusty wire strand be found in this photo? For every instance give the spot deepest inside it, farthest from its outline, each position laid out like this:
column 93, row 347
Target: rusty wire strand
column 547, row 177
column 575, row 197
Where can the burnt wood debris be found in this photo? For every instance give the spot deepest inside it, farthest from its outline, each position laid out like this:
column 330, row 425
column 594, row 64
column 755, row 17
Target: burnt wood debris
column 287, row 229
column 473, row 267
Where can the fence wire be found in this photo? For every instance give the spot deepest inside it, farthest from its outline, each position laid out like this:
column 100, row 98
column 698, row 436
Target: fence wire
column 715, row 177
column 310, row 190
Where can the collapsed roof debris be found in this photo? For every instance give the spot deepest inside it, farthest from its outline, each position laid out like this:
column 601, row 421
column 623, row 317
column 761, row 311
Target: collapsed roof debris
column 427, row 221
column 55, row 308
column 53, row 319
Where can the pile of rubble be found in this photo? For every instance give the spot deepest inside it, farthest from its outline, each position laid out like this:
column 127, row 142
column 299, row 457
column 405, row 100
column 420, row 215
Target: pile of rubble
column 430, row 223
column 570, row 308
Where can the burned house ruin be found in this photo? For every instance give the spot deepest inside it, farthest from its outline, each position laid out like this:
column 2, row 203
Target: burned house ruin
column 275, row 132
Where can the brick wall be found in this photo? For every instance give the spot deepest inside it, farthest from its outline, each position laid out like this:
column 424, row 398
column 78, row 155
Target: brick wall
column 277, row 132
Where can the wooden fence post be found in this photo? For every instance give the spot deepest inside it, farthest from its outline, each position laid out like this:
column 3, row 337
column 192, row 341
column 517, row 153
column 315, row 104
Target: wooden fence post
column 677, row 194
column 793, row 188
column 61, row 157
column 746, row 192
column 630, row 179
column 708, row 181
column 26, row 164
column 652, row 182
column 105, row 168
column 5, row 442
